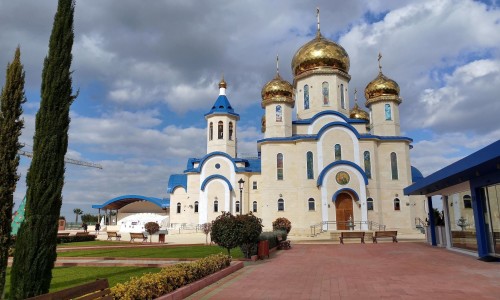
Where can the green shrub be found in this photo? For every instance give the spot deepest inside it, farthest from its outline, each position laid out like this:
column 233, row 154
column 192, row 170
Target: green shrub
column 271, row 236
column 225, row 231
column 74, row 238
column 249, row 228
column 282, row 224
column 151, row 228
column 154, row 285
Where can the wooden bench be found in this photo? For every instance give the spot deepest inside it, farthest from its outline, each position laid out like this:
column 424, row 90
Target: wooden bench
column 352, row 235
column 98, row 289
column 138, row 235
column 385, row 234
column 283, row 244
column 82, row 233
column 113, row 234
column 62, row 234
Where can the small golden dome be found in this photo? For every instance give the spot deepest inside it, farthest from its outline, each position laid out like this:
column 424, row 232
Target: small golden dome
column 277, row 90
column 222, row 83
column 358, row 113
column 381, row 86
column 320, row 53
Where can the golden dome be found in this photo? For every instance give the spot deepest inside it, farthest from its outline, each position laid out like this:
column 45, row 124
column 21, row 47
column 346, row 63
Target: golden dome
column 320, row 53
column 277, row 90
column 358, row 113
column 381, row 86
column 222, row 83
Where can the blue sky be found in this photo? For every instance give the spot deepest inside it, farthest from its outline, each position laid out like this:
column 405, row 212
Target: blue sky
column 147, row 73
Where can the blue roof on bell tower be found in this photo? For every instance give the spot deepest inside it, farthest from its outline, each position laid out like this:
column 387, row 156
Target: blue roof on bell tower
column 222, row 105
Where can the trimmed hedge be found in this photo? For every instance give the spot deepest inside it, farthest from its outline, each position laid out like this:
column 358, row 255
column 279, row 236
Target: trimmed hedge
column 272, row 237
column 74, row 238
column 153, row 285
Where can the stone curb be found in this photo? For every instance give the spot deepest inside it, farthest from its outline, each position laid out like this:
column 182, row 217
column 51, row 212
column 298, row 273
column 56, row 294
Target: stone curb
column 192, row 288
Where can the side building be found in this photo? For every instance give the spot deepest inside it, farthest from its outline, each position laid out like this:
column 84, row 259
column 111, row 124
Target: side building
column 319, row 162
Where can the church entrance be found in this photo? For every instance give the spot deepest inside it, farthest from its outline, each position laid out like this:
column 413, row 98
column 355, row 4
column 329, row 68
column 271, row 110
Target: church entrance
column 343, row 209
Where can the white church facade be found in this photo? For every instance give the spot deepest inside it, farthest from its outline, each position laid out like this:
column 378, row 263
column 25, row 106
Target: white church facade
column 319, row 162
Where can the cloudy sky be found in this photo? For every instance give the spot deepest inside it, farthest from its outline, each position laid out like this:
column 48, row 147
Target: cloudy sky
column 148, row 71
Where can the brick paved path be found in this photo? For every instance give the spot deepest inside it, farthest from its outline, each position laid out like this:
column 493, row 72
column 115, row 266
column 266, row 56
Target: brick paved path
column 356, row 271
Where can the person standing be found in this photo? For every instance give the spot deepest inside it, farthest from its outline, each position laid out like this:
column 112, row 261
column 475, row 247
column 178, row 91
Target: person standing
column 97, row 228
column 85, row 226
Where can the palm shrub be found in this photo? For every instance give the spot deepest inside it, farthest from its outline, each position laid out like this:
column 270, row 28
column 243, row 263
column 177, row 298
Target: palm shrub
column 282, row 224
column 249, row 227
column 151, row 228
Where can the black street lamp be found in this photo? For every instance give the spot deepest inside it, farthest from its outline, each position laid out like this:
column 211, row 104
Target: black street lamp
column 241, row 182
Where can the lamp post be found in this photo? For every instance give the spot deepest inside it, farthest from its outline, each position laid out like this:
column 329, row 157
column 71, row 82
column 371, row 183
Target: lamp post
column 241, row 182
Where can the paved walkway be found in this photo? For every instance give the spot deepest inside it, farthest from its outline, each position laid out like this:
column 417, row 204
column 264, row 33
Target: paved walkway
column 357, row 271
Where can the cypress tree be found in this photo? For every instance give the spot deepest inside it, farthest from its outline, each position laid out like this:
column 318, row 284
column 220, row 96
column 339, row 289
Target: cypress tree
column 11, row 124
column 37, row 238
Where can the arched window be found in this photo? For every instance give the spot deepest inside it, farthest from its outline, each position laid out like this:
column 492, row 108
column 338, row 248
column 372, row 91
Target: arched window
column 310, row 170
column 281, row 205
column 369, row 204
column 211, row 133
column 216, row 206
column 237, row 206
column 394, row 166
column 230, row 130
column 388, row 113
column 196, row 206
column 279, row 166
column 368, row 164
column 467, row 201
column 338, row 152
column 220, row 129
column 254, row 206
column 178, row 207
column 397, row 205
column 311, row 204
column 279, row 114
column 306, row 96
column 342, row 98
column 326, row 93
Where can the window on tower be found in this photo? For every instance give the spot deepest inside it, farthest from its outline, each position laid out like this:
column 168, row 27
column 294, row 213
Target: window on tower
column 310, row 169
column 342, row 97
column 368, row 164
column 230, row 130
column 279, row 166
column 220, row 129
column 394, row 166
column 254, row 206
column 306, row 96
column 325, row 89
column 388, row 113
column 211, row 132
column 279, row 114
column 338, row 152
column 178, row 207
column 216, row 206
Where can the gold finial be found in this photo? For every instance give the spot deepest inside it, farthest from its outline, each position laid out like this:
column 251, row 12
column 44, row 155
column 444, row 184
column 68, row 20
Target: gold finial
column 317, row 20
column 379, row 64
column 222, row 83
column 356, row 95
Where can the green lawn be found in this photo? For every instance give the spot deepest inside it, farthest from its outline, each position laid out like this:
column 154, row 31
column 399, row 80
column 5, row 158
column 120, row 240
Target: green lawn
column 93, row 243
column 66, row 277
column 152, row 252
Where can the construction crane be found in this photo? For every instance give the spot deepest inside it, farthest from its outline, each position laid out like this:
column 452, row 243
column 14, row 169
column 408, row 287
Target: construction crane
column 66, row 159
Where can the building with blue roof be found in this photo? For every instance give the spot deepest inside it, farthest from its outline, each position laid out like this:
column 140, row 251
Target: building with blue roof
column 322, row 161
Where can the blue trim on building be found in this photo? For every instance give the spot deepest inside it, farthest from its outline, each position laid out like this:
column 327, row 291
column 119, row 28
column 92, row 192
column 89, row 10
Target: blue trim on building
column 212, row 177
column 416, row 175
column 334, row 197
column 321, row 176
column 222, row 106
column 251, row 165
column 480, row 162
column 326, row 113
column 175, row 181
column 121, row 201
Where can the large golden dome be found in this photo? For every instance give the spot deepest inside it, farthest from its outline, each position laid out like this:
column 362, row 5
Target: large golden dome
column 358, row 113
column 320, row 53
column 381, row 86
column 277, row 90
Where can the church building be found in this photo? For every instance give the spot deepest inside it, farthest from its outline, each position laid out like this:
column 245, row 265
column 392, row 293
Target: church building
column 319, row 162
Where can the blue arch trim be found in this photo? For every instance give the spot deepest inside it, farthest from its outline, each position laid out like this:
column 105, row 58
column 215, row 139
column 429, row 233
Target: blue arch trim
column 323, row 113
column 175, row 181
column 251, row 165
column 211, row 177
column 334, row 197
column 322, row 175
column 335, row 124
column 119, row 202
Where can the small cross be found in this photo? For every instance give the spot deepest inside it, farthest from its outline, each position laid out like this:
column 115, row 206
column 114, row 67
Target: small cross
column 379, row 64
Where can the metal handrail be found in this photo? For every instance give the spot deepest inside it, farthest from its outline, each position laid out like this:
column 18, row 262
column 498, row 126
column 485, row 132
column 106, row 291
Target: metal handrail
column 352, row 224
